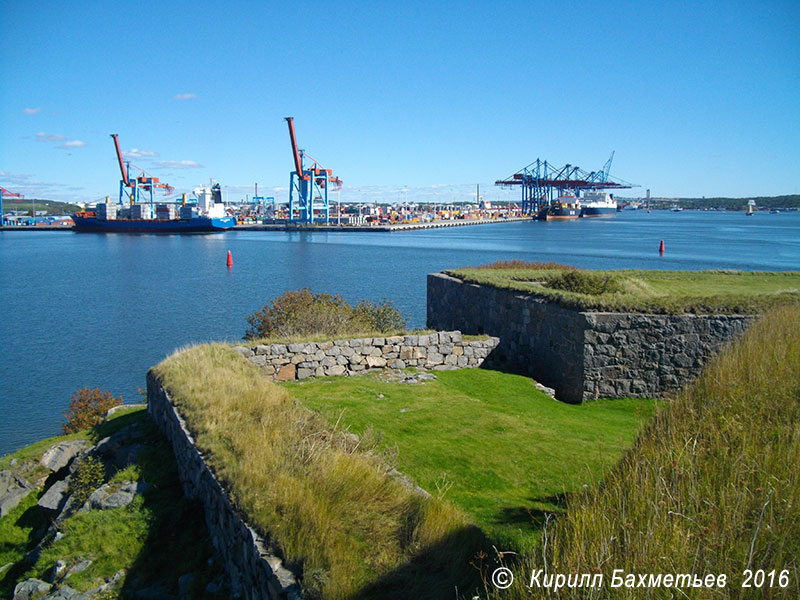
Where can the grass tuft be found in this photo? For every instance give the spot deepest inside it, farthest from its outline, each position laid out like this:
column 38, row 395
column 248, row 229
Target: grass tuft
column 711, row 486
column 329, row 503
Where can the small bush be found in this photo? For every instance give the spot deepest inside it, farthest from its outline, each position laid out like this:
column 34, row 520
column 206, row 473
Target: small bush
column 88, row 408
column 88, row 476
column 381, row 316
column 303, row 313
column 584, row 282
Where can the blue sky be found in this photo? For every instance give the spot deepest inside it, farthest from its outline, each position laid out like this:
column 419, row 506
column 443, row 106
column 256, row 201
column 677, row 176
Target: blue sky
column 416, row 100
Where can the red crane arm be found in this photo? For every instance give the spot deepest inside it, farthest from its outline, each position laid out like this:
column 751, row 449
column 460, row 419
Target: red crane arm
column 121, row 162
column 297, row 167
column 7, row 194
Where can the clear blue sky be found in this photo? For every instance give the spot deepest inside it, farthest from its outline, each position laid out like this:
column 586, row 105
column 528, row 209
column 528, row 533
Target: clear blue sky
column 697, row 99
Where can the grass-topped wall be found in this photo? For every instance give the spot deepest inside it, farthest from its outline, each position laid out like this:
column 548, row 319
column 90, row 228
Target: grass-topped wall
column 591, row 334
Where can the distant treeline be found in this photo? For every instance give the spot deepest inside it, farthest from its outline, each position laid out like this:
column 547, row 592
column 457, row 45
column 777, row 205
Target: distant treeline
column 791, row 201
column 28, row 205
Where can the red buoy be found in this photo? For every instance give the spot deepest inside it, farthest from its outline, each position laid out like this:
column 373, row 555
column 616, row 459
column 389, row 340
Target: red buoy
column 230, row 258
column 660, row 249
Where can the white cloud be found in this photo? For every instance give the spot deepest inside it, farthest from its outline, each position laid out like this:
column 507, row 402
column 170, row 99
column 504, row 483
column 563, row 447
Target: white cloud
column 49, row 137
column 185, row 96
column 31, row 111
column 137, row 153
column 73, row 144
column 179, row 164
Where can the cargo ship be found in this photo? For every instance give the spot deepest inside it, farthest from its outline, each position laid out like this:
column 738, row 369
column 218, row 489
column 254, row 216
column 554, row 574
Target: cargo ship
column 565, row 207
column 208, row 215
column 598, row 204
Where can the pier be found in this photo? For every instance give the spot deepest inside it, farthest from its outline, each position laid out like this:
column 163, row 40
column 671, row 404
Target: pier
column 383, row 228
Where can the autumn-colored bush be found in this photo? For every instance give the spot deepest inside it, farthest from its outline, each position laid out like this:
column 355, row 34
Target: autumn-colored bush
column 87, row 408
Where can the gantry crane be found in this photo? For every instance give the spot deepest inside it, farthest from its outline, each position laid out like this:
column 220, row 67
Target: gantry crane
column 540, row 182
column 143, row 182
column 311, row 185
column 7, row 194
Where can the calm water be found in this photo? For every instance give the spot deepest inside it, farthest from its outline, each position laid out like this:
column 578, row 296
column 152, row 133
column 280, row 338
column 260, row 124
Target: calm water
column 98, row 310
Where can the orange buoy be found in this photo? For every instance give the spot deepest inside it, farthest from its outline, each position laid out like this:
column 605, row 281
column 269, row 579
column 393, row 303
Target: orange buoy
column 660, row 249
column 230, row 258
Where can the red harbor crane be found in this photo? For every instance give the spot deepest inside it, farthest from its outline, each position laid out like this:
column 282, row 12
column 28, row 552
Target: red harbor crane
column 311, row 185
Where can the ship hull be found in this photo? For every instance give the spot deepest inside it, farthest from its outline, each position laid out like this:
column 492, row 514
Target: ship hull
column 598, row 211
column 193, row 225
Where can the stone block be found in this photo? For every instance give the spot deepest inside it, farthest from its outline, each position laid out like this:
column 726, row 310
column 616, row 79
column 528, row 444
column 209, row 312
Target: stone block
column 279, row 349
column 376, row 361
column 295, row 348
column 397, row 364
column 319, row 372
column 258, row 360
column 262, row 349
column 335, row 370
column 298, row 358
column 411, row 340
column 304, row 373
column 378, row 341
column 246, row 352
column 286, row 373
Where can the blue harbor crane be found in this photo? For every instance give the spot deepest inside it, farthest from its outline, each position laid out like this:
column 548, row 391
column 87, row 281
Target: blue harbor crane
column 7, row 194
column 137, row 184
column 311, row 186
column 541, row 182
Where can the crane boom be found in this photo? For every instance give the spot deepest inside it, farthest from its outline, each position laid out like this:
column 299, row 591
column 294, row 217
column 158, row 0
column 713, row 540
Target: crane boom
column 121, row 162
column 296, row 153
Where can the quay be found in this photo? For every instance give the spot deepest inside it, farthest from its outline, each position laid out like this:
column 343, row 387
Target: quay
column 292, row 227
column 374, row 228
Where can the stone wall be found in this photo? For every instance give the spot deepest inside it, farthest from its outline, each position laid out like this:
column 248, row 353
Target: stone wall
column 255, row 572
column 443, row 350
column 582, row 355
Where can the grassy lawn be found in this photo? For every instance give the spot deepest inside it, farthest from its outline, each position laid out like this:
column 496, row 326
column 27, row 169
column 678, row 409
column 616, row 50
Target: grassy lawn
column 671, row 292
column 489, row 442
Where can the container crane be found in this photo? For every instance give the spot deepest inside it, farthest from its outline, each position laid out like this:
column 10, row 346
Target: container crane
column 136, row 184
column 540, row 182
column 7, row 194
column 311, row 185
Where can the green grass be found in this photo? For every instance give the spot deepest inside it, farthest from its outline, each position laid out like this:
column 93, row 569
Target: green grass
column 711, row 486
column 660, row 292
column 156, row 539
column 497, row 447
column 326, row 501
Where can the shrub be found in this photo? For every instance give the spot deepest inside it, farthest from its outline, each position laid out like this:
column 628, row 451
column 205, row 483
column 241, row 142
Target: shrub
column 382, row 316
column 87, row 408
column 302, row 313
column 584, row 282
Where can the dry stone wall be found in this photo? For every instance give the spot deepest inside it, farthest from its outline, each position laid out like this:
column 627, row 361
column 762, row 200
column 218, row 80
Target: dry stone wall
column 255, row 571
column 443, row 350
column 582, row 355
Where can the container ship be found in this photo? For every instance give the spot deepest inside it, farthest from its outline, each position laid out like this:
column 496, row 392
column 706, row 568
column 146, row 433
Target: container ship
column 207, row 216
column 565, row 207
column 598, row 204
column 135, row 214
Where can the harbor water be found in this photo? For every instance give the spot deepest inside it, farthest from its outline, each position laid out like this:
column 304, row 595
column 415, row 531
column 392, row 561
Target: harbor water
column 98, row 310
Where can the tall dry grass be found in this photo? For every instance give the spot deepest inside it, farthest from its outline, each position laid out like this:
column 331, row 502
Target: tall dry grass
column 711, row 486
column 325, row 498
